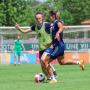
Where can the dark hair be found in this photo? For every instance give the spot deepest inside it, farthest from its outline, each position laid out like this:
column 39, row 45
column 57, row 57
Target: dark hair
column 52, row 13
column 39, row 13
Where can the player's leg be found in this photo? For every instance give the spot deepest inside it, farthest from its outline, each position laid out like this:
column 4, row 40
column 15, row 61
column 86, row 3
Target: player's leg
column 53, row 55
column 54, row 70
column 57, row 51
column 47, row 66
column 19, row 59
column 78, row 62
column 42, row 66
column 47, row 62
column 60, row 60
column 44, row 56
column 48, row 51
column 19, row 54
column 44, row 69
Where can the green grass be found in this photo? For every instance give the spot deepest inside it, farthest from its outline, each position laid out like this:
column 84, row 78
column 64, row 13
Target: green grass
column 21, row 77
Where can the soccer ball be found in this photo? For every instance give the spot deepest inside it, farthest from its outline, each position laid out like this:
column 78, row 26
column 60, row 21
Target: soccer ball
column 40, row 77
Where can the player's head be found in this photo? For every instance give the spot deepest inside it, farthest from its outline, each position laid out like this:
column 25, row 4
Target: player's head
column 53, row 15
column 39, row 17
column 18, row 37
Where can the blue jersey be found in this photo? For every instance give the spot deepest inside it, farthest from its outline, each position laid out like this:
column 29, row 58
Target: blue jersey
column 54, row 31
column 58, row 46
column 39, row 26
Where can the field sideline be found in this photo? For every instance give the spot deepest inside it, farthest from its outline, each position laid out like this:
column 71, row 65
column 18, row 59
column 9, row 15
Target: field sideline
column 21, row 77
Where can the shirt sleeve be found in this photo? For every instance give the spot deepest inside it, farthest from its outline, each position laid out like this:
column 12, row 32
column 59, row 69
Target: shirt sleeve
column 33, row 27
column 47, row 27
column 60, row 21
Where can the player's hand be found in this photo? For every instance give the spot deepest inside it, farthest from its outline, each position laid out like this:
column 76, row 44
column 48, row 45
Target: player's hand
column 57, row 36
column 17, row 26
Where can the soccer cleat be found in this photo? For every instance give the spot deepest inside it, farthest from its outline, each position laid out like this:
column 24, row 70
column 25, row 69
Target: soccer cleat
column 82, row 66
column 53, row 81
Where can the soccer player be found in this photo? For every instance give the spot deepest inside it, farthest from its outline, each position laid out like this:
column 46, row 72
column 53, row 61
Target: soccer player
column 43, row 30
column 57, row 52
column 75, row 61
column 18, row 47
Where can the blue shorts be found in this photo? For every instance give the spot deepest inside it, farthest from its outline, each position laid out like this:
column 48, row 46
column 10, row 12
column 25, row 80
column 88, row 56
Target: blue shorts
column 55, row 52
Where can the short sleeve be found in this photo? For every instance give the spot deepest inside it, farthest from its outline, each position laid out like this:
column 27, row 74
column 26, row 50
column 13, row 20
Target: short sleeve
column 33, row 27
column 60, row 21
column 47, row 27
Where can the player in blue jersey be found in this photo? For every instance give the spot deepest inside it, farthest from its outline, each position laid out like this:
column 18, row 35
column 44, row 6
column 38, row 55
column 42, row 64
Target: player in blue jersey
column 57, row 52
column 58, row 45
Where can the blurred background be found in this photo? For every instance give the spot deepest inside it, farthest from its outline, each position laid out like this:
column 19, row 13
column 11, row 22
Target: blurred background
column 74, row 13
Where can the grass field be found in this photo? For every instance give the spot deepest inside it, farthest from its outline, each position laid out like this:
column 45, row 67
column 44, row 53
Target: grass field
column 21, row 77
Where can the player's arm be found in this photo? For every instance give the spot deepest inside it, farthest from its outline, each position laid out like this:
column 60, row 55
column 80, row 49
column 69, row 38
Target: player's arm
column 60, row 29
column 21, row 30
column 23, row 47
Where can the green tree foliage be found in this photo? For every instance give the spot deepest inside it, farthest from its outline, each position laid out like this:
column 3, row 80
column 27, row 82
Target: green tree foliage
column 12, row 11
column 76, row 10
column 23, row 11
column 1, row 13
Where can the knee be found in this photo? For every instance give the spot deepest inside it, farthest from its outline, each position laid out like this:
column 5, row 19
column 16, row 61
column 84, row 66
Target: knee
column 48, row 66
column 43, row 63
column 62, row 62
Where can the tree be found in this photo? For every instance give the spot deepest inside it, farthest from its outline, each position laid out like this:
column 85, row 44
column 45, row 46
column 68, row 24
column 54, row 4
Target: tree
column 71, row 11
column 12, row 11
column 78, row 10
column 23, row 11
